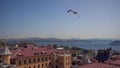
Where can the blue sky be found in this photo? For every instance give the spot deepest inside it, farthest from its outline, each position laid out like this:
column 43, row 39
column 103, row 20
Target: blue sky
column 48, row 18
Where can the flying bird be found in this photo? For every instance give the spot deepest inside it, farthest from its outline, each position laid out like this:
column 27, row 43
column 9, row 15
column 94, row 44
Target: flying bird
column 74, row 12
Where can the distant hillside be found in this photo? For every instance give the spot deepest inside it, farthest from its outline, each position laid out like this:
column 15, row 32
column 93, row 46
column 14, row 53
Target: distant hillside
column 33, row 40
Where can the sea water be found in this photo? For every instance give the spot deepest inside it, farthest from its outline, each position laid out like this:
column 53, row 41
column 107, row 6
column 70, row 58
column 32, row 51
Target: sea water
column 85, row 45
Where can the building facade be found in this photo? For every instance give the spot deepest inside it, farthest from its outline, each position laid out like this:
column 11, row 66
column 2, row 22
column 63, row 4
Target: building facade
column 35, row 57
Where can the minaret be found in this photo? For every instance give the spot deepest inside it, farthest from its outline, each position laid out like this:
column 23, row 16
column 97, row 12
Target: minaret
column 5, row 54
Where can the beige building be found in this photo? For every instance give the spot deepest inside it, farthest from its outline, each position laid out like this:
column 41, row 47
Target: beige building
column 34, row 57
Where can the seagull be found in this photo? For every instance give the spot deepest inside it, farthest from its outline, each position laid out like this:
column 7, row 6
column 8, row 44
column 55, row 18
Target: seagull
column 74, row 12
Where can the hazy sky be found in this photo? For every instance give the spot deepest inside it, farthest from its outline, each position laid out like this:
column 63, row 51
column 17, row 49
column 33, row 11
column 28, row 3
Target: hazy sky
column 48, row 18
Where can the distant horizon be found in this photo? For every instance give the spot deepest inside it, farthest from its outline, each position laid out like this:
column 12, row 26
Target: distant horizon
column 65, row 38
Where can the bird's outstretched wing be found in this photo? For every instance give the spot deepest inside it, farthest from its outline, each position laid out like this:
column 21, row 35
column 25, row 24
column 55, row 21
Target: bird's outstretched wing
column 74, row 12
column 69, row 11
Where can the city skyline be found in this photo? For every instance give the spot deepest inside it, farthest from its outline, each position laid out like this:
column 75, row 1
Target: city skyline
column 36, row 18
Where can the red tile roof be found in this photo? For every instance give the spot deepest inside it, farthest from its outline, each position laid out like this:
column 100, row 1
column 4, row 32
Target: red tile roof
column 116, row 57
column 115, row 62
column 98, row 65
column 29, row 51
column 33, row 51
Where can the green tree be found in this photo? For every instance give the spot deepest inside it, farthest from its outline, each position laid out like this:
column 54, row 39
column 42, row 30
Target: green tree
column 61, row 46
column 66, row 47
column 55, row 46
column 42, row 46
column 49, row 45
column 74, row 48
column 73, row 54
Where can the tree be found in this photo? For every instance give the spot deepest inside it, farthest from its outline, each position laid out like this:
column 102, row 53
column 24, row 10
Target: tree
column 66, row 47
column 61, row 46
column 49, row 45
column 74, row 48
column 73, row 54
column 42, row 46
column 55, row 46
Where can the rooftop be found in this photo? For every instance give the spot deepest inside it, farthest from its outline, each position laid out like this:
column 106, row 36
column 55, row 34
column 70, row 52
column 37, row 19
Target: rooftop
column 98, row 65
column 112, row 63
column 115, row 60
column 33, row 51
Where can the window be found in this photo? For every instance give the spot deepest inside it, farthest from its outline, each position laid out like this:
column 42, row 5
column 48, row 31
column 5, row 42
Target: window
column 50, row 57
column 24, row 61
column 38, row 66
column 46, row 64
column 49, row 64
column 19, row 62
column 12, row 61
column 42, row 59
column 34, row 60
column 61, row 63
column 38, row 59
column 46, row 58
column 42, row 65
column 61, row 58
column 29, row 60
column 0, row 59
column 29, row 66
column 56, row 66
column 34, row 66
